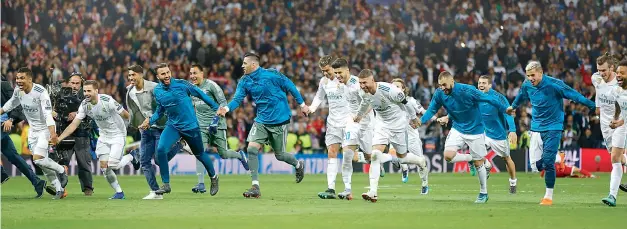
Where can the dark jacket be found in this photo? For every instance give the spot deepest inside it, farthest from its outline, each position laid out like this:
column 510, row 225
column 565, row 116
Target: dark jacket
column 7, row 91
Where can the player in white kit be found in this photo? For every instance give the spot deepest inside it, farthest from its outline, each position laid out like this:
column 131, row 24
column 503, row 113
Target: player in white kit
column 332, row 91
column 37, row 108
column 415, row 144
column 390, row 104
column 357, row 134
column 109, row 116
column 604, row 81
column 619, row 137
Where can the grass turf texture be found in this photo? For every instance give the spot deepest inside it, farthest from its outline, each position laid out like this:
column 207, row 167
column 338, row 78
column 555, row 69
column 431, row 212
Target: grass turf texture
column 285, row 204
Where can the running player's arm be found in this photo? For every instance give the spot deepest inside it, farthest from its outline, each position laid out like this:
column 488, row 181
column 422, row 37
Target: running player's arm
column 80, row 115
column 418, row 107
column 596, row 78
column 616, row 111
column 570, row 93
column 12, row 103
column 46, row 110
column 157, row 115
column 522, row 95
column 320, row 95
column 218, row 93
column 193, row 90
column 240, row 94
column 511, row 124
column 479, row 96
column 288, row 86
column 119, row 109
column 434, row 106
column 364, row 106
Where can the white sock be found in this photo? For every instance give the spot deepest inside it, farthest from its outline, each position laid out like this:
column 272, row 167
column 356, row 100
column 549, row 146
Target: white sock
column 375, row 171
column 548, row 194
column 256, row 182
column 50, row 164
column 483, row 181
column 112, row 179
column 347, row 168
column 200, row 171
column 361, row 158
column 384, row 157
column 52, row 177
column 616, row 176
column 461, row 157
column 404, row 167
column 512, row 182
column 125, row 160
column 487, row 165
column 331, row 172
column 414, row 159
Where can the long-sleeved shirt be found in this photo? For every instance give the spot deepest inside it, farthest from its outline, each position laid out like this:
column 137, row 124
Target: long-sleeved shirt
column 462, row 104
column 175, row 101
column 547, row 102
column 36, row 106
column 204, row 112
column 268, row 89
column 497, row 124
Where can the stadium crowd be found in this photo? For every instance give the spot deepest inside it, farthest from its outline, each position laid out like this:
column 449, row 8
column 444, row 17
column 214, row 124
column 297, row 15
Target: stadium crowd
column 414, row 40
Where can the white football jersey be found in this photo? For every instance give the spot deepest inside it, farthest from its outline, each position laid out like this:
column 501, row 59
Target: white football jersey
column 335, row 94
column 106, row 114
column 36, row 106
column 354, row 100
column 417, row 107
column 604, row 99
column 386, row 102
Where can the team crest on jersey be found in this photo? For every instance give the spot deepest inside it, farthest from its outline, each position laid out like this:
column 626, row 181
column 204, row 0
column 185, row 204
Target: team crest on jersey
column 598, row 80
column 400, row 96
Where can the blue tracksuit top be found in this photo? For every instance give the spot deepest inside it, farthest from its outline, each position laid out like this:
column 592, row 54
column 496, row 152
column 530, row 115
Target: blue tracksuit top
column 463, row 107
column 175, row 101
column 268, row 89
column 547, row 102
column 495, row 121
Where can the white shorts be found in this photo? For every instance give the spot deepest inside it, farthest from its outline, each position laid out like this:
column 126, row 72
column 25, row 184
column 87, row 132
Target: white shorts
column 398, row 139
column 334, row 135
column 358, row 135
column 535, row 146
column 618, row 137
column 500, row 147
column 607, row 133
column 38, row 141
column 110, row 149
column 414, row 144
column 476, row 142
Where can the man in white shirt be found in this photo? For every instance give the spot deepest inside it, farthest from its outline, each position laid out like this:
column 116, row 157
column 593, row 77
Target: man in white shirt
column 37, row 108
column 110, row 118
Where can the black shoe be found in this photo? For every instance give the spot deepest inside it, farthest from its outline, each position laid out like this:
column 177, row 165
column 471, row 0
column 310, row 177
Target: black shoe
column 4, row 177
column 623, row 187
column 512, row 189
column 39, row 188
column 300, row 171
column 253, row 192
column 165, row 188
column 135, row 161
column 63, row 177
column 51, row 190
column 215, row 187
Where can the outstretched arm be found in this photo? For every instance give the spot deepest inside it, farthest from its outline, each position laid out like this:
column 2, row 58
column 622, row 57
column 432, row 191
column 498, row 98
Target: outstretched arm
column 487, row 97
column 157, row 115
column 521, row 97
column 570, row 93
column 240, row 94
column 196, row 92
column 288, row 85
column 434, row 106
column 320, row 96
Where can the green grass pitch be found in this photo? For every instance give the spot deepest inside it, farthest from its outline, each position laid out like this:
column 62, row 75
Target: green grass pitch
column 285, row 204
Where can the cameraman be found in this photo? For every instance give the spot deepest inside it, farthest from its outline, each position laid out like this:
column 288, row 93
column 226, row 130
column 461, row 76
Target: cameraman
column 64, row 112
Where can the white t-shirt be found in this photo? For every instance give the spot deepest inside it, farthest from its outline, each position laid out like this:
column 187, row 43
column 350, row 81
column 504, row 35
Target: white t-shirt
column 36, row 106
column 106, row 114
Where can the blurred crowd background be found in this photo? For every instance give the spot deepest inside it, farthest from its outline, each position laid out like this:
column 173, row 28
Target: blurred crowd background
column 413, row 40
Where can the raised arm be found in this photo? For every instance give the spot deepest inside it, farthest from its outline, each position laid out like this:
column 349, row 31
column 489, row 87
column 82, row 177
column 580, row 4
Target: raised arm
column 570, row 93
column 522, row 96
column 240, row 94
column 288, row 86
column 486, row 97
column 196, row 92
column 434, row 106
column 320, row 97
column 12, row 103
